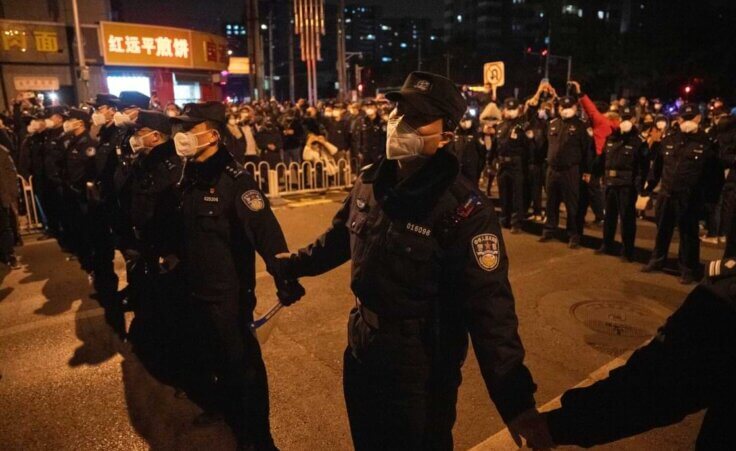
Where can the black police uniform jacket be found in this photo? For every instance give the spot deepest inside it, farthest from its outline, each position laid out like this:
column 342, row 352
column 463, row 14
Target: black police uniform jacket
column 512, row 146
column 430, row 247
column 470, row 153
column 623, row 160
column 226, row 220
column 567, row 144
column 370, row 138
column 54, row 147
column 79, row 162
column 687, row 163
column 155, row 214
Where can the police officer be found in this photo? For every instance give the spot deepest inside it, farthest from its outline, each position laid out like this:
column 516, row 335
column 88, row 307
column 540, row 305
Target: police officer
column 31, row 161
column 623, row 161
column 226, row 220
column 77, row 178
column 538, row 116
column 567, row 158
column 158, row 233
column 688, row 367
column 688, row 169
column 429, row 268
column 513, row 149
column 53, row 155
column 723, row 132
column 468, row 149
column 370, row 135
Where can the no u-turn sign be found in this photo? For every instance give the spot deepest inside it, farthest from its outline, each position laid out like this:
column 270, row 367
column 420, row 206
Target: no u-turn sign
column 494, row 73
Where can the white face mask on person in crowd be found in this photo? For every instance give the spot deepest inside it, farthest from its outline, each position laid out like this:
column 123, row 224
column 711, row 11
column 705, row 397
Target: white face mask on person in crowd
column 371, row 112
column 568, row 113
column 35, row 127
column 689, row 126
column 626, row 126
column 542, row 114
column 137, row 144
column 511, row 114
column 187, row 144
column 122, row 119
column 466, row 124
column 99, row 119
column 70, row 125
column 172, row 112
column 51, row 124
column 403, row 142
column 661, row 125
column 232, row 121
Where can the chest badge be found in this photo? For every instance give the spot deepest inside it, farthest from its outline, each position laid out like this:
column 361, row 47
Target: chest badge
column 253, row 200
column 487, row 251
column 419, row 230
column 360, row 203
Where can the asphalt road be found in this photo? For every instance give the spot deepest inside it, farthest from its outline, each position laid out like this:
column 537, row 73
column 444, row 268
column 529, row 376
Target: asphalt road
column 67, row 384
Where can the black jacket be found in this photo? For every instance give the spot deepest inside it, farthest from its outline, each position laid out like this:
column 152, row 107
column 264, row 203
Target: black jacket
column 568, row 144
column 623, row 161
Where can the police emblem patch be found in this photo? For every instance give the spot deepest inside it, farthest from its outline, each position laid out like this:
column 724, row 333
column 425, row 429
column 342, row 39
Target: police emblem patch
column 487, row 251
column 253, row 200
column 90, row 152
column 422, row 85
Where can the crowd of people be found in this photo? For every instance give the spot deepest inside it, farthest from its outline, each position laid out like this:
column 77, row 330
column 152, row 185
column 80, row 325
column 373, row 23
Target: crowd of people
column 166, row 187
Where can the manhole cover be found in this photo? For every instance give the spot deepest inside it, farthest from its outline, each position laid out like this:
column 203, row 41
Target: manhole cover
column 616, row 318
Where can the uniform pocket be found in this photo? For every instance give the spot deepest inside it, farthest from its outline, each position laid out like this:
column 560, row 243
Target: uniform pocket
column 360, row 335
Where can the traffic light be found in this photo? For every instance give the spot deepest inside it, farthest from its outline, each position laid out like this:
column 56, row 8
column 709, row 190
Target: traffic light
column 544, row 52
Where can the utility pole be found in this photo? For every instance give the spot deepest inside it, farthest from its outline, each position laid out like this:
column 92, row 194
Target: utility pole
column 419, row 54
column 447, row 64
column 254, row 48
column 82, row 93
column 291, row 58
column 271, row 87
column 341, row 62
column 549, row 48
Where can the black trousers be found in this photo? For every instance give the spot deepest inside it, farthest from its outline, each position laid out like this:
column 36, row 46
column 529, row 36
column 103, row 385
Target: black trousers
column 689, row 366
column 398, row 397
column 103, row 248
column 7, row 239
column 728, row 216
column 536, row 182
column 563, row 186
column 234, row 356
column 678, row 210
column 620, row 206
column 511, row 193
column 76, row 232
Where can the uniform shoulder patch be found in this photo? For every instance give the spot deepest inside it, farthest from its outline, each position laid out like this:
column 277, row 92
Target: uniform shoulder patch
column 234, row 170
column 718, row 269
column 90, row 152
column 253, row 200
column 487, row 251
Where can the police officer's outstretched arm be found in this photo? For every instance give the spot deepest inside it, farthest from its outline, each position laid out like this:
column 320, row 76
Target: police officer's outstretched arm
column 493, row 326
column 328, row 251
column 264, row 232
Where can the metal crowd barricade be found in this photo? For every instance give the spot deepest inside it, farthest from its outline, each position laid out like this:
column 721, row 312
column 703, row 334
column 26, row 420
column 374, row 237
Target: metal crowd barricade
column 29, row 222
column 307, row 177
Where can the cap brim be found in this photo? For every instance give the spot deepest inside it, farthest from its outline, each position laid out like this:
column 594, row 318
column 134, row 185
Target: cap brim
column 417, row 101
column 188, row 119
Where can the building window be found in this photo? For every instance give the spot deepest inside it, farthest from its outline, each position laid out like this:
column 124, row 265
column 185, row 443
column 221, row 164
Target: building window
column 386, row 59
column 601, row 15
column 385, row 28
column 370, row 37
column 570, row 9
column 119, row 83
column 459, row 18
column 403, row 45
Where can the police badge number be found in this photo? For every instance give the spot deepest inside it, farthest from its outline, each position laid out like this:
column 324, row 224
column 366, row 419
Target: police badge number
column 487, row 251
column 253, row 200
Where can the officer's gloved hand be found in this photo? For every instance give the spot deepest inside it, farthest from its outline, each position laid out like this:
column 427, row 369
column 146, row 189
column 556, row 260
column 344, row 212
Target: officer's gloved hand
column 532, row 426
column 289, row 291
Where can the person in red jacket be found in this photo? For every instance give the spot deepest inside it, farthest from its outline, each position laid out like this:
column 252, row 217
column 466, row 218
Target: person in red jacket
column 603, row 124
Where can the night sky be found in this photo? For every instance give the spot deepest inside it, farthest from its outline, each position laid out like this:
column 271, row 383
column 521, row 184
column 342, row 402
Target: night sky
column 431, row 9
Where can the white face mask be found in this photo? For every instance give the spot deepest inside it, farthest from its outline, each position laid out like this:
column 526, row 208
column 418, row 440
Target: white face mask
column 567, row 113
column 542, row 114
column 171, row 113
column 50, row 123
column 370, row 112
column 466, row 124
column 661, row 125
column 187, row 145
column 626, row 126
column 402, row 141
column 34, row 127
column 122, row 119
column 232, row 121
column 99, row 119
column 689, row 126
column 136, row 143
column 70, row 125
column 511, row 114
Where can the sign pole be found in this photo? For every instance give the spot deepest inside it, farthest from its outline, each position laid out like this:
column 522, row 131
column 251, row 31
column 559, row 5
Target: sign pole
column 83, row 69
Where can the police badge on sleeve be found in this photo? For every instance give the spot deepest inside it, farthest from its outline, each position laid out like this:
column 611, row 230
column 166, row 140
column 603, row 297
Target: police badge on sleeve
column 487, row 251
column 253, row 200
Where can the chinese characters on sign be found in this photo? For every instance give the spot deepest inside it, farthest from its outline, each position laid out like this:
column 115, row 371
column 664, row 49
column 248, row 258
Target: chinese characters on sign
column 157, row 46
column 45, row 41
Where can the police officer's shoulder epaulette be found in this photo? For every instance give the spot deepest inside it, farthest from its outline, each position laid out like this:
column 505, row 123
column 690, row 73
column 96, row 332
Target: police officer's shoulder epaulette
column 721, row 269
column 169, row 165
column 234, row 170
column 469, row 199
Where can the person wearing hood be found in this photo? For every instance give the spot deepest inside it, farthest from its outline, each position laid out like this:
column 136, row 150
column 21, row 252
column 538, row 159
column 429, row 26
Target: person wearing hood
column 408, row 333
column 689, row 174
column 568, row 163
column 623, row 161
column 512, row 148
column 469, row 150
column 722, row 131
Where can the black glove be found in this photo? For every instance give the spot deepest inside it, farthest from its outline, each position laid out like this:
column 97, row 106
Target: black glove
column 289, row 291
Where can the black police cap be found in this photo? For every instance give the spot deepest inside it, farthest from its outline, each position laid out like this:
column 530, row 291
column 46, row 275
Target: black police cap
column 155, row 120
column 56, row 109
column 511, row 103
column 104, row 100
column 568, row 102
column 199, row 112
column 626, row 113
column 79, row 113
column 431, row 94
column 688, row 111
column 134, row 99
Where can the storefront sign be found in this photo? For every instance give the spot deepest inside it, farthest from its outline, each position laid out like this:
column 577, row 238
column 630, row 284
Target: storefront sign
column 32, row 83
column 125, row 44
column 32, row 42
column 239, row 65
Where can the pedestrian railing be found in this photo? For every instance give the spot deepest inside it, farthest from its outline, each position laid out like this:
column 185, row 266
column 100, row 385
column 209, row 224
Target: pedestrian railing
column 30, row 214
column 301, row 178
